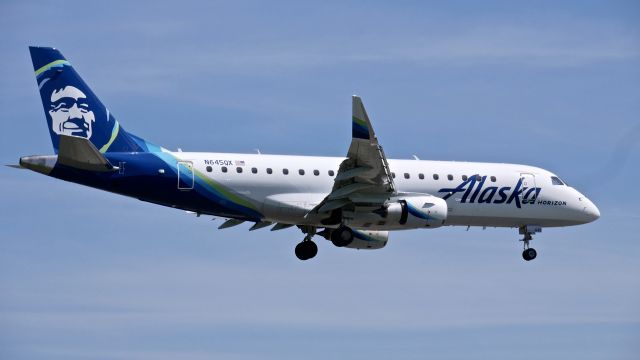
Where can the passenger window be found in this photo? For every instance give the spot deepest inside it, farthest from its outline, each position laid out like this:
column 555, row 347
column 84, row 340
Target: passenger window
column 436, row 177
column 478, row 177
column 421, row 176
column 331, row 173
column 393, row 175
column 493, row 179
column 450, row 177
column 269, row 171
column 254, row 170
column 316, row 172
column 464, row 177
column 406, row 175
column 209, row 168
column 224, row 169
column 301, row 172
column 556, row 180
column 239, row 169
column 285, row 171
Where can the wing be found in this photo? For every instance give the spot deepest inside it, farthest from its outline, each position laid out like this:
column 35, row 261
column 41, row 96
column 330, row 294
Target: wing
column 364, row 178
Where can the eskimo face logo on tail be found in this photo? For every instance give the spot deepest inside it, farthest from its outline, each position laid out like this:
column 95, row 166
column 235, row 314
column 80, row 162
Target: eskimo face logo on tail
column 70, row 112
column 492, row 194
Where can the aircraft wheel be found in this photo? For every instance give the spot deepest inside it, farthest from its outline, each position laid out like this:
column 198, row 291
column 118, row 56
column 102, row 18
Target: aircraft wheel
column 529, row 254
column 306, row 250
column 342, row 236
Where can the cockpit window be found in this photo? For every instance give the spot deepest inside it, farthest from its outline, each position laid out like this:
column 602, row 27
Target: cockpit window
column 556, row 181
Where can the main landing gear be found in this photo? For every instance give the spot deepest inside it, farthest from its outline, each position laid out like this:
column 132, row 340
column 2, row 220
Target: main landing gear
column 529, row 253
column 307, row 249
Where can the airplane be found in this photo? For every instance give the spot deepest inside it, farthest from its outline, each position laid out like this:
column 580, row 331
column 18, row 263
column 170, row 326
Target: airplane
column 352, row 201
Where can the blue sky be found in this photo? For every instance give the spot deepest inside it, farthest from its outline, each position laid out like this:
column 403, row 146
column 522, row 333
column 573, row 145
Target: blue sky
column 89, row 275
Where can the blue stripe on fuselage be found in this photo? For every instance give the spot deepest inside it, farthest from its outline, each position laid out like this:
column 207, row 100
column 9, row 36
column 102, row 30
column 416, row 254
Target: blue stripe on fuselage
column 142, row 179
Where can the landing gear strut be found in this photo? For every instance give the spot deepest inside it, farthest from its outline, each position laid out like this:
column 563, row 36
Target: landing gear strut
column 528, row 253
column 307, row 249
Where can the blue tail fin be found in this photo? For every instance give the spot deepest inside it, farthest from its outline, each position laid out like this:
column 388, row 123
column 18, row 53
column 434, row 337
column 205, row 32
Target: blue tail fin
column 73, row 109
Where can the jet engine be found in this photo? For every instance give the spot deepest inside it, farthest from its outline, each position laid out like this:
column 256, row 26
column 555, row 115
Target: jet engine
column 402, row 212
column 357, row 239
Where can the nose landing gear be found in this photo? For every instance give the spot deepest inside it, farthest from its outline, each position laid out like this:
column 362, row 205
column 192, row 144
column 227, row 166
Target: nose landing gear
column 529, row 253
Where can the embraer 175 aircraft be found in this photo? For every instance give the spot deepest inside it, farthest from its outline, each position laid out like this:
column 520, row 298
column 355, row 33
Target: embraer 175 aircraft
column 353, row 201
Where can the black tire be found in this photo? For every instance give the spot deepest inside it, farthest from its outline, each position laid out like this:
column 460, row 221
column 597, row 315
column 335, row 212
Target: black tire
column 312, row 249
column 529, row 254
column 306, row 250
column 342, row 236
column 300, row 251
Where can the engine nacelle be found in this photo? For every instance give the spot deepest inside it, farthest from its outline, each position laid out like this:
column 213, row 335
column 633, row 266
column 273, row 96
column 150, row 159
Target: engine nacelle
column 402, row 212
column 367, row 239
column 418, row 211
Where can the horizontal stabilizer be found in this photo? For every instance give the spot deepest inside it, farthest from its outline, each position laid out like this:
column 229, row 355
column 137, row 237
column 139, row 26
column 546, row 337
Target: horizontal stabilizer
column 81, row 154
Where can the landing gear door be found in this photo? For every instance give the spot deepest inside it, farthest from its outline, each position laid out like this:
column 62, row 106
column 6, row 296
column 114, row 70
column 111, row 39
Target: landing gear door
column 185, row 175
column 529, row 191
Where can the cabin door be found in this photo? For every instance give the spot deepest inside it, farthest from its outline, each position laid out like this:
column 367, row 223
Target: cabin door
column 185, row 175
column 528, row 194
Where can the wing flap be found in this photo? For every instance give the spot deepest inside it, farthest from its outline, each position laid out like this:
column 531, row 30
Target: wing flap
column 357, row 171
column 333, row 204
column 344, row 191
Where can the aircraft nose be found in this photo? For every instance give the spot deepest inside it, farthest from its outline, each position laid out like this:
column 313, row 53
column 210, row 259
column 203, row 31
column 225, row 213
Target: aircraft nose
column 590, row 210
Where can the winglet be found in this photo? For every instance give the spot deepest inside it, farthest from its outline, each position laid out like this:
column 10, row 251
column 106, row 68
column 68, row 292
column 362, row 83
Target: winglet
column 361, row 126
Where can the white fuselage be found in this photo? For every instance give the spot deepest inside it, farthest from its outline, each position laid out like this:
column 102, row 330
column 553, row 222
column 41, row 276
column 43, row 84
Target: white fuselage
column 296, row 184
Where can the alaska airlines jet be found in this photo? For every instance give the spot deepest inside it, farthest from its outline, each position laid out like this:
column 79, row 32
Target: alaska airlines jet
column 353, row 201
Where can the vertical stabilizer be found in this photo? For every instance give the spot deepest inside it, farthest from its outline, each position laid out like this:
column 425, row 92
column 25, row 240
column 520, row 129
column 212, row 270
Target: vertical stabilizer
column 73, row 109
